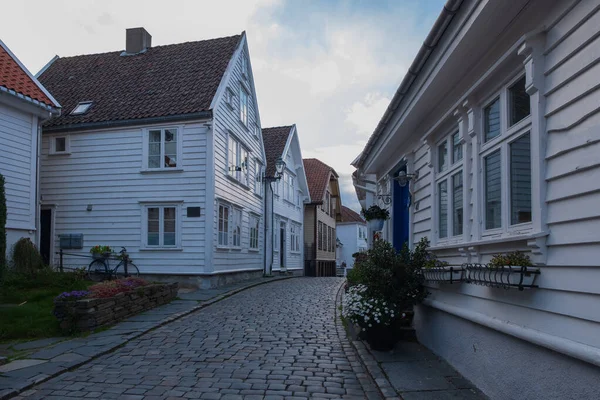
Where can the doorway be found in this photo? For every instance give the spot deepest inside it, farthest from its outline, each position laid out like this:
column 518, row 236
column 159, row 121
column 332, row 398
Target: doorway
column 401, row 204
column 282, row 245
column 46, row 235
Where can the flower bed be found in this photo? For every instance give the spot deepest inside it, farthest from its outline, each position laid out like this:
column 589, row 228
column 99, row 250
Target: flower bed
column 109, row 302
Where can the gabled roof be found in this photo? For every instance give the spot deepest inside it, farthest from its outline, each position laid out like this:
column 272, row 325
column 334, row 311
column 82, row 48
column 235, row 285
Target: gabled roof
column 162, row 81
column 275, row 140
column 317, row 175
column 16, row 79
column 349, row 215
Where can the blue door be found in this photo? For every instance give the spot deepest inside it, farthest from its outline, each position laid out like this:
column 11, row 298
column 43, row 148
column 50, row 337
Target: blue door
column 400, row 203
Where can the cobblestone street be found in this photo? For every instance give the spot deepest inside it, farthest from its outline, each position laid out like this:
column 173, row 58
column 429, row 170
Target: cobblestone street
column 275, row 341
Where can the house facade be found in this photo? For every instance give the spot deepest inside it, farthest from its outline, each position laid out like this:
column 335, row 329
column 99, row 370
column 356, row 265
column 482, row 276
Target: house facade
column 351, row 232
column 285, row 196
column 321, row 215
column 158, row 157
column 489, row 146
column 24, row 105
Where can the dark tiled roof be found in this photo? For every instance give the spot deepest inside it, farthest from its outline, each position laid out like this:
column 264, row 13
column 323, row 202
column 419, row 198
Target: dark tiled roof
column 349, row 215
column 317, row 175
column 13, row 77
column 274, row 140
column 163, row 81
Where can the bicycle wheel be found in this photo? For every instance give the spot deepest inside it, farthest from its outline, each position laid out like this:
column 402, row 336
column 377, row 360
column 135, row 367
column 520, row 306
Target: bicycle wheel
column 132, row 270
column 98, row 271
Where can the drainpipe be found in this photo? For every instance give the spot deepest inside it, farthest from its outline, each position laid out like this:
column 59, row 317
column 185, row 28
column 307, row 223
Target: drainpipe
column 272, row 227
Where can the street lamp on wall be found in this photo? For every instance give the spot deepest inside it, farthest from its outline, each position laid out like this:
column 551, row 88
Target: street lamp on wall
column 403, row 178
column 279, row 167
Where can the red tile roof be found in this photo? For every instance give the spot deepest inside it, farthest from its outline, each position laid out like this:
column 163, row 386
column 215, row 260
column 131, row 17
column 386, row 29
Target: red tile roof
column 349, row 215
column 274, row 139
column 13, row 77
column 317, row 175
column 163, row 81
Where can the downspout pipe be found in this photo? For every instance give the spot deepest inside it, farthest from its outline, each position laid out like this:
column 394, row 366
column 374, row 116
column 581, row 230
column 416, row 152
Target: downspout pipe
column 433, row 38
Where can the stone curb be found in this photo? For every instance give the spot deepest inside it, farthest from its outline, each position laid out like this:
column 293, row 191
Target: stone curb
column 36, row 380
column 371, row 365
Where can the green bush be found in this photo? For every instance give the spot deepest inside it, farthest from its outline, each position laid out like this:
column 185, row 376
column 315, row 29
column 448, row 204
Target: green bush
column 2, row 228
column 26, row 259
column 391, row 276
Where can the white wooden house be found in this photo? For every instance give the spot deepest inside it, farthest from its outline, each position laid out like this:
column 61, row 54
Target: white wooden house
column 496, row 128
column 351, row 233
column 159, row 150
column 285, row 198
column 24, row 105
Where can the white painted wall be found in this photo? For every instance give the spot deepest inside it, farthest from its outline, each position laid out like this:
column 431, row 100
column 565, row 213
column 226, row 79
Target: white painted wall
column 227, row 121
column 104, row 169
column 18, row 152
column 348, row 234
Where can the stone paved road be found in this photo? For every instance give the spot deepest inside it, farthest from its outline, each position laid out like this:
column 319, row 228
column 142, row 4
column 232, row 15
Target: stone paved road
column 275, row 341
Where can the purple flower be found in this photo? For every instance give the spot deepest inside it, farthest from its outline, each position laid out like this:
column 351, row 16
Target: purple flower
column 72, row 296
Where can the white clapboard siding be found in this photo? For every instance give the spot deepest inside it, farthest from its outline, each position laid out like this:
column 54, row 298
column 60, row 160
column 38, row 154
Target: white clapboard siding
column 422, row 197
column 18, row 139
column 227, row 121
column 104, row 170
column 573, row 165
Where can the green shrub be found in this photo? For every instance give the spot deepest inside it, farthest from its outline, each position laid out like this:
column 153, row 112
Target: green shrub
column 26, row 259
column 2, row 228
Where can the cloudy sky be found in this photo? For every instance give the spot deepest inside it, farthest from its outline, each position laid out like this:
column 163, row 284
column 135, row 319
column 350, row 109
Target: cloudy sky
column 329, row 66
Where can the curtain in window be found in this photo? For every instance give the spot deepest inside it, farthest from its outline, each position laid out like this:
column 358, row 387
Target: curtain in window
column 493, row 191
column 520, row 180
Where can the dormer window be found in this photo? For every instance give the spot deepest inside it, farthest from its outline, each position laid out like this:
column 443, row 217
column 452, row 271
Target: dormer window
column 81, row 108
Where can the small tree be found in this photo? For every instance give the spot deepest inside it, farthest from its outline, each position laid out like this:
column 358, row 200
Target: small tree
column 2, row 226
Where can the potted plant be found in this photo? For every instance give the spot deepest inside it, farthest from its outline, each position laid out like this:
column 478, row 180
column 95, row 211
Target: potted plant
column 101, row 251
column 513, row 269
column 375, row 217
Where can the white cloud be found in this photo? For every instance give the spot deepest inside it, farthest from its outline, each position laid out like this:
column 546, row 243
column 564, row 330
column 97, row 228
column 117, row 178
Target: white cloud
column 365, row 114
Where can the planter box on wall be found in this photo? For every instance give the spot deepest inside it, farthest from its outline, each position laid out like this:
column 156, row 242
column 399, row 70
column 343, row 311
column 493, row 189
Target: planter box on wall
column 505, row 277
column 444, row 274
column 88, row 314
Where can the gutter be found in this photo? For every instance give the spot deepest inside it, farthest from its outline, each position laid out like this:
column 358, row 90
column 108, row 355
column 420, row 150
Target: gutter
column 37, row 103
column 128, row 122
column 429, row 45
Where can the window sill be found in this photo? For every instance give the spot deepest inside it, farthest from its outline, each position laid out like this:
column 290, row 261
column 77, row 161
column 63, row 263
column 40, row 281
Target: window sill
column 232, row 179
column 487, row 241
column 159, row 170
column 161, row 248
column 243, row 125
column 230, row 106
column 62, row 153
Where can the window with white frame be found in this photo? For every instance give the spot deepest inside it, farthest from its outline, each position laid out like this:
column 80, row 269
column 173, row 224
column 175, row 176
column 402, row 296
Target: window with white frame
column 449, row 187
column 254, row 226
column 506, row 159
column 229, row 226
column 163, row 148
column 60, row 144
column 243, row 106
column 327, row 205
column 237, row 160
column 288, row 187
column 258, row 178
column 236, row 227
column 294, row 238
column 223, row 225
column 228, row 96
column 276, row 235
column 320, row 236
column 161, row 226
column 244, row 62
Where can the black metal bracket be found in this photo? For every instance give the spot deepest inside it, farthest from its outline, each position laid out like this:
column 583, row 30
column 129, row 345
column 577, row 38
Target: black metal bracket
column 438, row 274
column 502, row 276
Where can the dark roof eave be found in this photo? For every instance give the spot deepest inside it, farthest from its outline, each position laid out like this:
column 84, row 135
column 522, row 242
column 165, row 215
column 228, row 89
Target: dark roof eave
column 128, row 122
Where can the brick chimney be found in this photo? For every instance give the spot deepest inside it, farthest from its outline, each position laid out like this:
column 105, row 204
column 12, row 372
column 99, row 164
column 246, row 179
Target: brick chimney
column 137, row 40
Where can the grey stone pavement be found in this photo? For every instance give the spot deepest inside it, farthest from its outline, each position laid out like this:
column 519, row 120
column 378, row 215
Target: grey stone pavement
column 283, row 340
column 42, row 359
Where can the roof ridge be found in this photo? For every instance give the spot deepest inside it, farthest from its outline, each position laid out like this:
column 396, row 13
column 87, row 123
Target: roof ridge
column 278, row 127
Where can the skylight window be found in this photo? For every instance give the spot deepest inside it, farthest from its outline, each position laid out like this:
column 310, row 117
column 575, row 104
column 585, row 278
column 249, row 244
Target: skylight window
column 82, row 108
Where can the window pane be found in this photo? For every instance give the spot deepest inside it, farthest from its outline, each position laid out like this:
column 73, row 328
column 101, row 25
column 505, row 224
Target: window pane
column 152, row 239
column 520, row 180
column 232, row 156
column 493, row 191
column 491, row 118
column 457, row 150
column 60, row 144
column 154, row 136
column 170, row 148
column 442, row 157
column 243, row 106
column 443, row 207
column 457, row 204
column 519, row 104
column 169, row 239
column 153, row 226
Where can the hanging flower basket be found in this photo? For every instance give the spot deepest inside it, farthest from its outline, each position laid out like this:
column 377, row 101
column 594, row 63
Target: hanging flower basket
column 376, row 224
column 375, row 217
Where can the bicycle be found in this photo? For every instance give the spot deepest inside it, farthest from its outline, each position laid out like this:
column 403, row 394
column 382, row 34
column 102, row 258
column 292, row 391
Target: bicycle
column 99, row 269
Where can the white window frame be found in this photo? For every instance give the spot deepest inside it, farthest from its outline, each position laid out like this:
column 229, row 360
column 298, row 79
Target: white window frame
column 259, row 172
column 508, row 134
column 229, row 97
column 52, row 144
column 254, row 232
column 161, row 206
column 452, row 168
column 235, row 218
column 295, row 230
column 237, row 223
column 146, row 149
column 244, row 106
column 237, row 169
column 223, row 233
